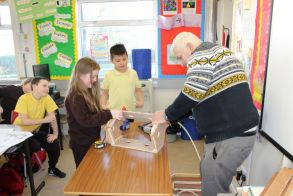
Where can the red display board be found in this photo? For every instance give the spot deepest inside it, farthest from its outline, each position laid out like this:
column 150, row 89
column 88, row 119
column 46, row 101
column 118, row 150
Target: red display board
column 166, row 37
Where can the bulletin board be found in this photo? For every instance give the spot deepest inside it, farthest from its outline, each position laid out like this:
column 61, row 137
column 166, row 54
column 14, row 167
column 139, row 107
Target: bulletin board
column 55, row 40
column 177, row 16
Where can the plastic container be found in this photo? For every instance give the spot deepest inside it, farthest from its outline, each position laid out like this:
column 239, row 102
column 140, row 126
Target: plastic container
column 190, row 124
column 141, row 62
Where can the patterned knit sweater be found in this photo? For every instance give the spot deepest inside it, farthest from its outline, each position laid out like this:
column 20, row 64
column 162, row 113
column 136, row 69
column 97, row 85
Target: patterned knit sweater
column 217, row 92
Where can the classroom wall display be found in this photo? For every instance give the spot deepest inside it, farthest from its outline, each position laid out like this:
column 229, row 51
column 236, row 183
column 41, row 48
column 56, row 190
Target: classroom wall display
column 262, row 24
column 28, row 10
column 170, row 7
column 99, row 46
column 277, row 110
column 55, row 40
column 174, row 17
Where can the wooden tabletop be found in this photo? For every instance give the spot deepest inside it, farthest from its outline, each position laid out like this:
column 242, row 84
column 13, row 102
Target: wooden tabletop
column 121, row 171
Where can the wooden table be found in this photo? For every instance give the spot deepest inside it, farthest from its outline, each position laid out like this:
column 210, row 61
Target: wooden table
column 121, row 171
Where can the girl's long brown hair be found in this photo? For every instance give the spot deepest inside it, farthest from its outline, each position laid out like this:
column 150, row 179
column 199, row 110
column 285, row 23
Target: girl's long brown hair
column 85, row 65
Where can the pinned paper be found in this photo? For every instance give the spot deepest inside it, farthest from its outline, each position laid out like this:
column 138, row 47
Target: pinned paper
column 45, row 28
column 62, row 23
column 188, row 6
column 60, row 37
column 63, row 16
column 187, row 20
column 22, row 2
column 63, row 60
column 61, row 63
column 170, row 7
column 48, row 49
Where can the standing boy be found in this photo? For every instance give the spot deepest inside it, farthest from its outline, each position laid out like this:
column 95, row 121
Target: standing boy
column 121, row 86
column 37, row 108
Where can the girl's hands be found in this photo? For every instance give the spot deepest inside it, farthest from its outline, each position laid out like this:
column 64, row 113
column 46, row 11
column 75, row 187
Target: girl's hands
column 117, row 114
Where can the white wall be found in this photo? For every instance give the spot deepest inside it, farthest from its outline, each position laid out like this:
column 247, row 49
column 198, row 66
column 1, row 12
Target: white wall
column 266, row 160
column 162, row 98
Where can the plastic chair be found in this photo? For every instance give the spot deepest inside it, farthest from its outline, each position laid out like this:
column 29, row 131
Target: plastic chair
column 13, row 116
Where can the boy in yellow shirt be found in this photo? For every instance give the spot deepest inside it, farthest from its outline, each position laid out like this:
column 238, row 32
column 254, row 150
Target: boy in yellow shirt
column 37, row 108
column 121, row 87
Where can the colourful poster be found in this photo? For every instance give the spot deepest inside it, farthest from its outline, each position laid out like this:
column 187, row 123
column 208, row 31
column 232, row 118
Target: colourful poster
column 99, row 46
column 28, row 10
column 55, row 40
column 260, row 51
column 170, row 26
column 170, row 7
column 188, row 6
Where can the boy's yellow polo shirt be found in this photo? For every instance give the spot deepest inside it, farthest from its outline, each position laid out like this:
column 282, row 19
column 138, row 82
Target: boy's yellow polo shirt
column 35, row 109
column 121, row 86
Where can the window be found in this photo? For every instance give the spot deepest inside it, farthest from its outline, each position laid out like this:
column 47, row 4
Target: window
column 7, row 52
column 104, row 23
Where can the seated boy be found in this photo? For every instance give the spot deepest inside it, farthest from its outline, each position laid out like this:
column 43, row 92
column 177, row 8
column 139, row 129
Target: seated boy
column 37, row 108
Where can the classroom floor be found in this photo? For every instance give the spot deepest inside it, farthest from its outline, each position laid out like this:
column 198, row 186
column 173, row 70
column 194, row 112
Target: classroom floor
column 182, row 158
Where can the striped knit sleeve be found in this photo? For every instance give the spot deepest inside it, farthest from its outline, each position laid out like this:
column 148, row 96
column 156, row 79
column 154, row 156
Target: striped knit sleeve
column 181, row 107
column 197, row 82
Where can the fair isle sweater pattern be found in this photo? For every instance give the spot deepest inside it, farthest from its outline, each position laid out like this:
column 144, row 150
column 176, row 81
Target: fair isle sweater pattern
column 212, row 69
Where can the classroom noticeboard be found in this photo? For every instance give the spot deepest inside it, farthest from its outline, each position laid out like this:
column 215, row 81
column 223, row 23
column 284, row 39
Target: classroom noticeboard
column 55, row 40
column 177, row 16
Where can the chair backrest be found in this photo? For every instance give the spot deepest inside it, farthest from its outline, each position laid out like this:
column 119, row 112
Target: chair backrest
column 13, row 116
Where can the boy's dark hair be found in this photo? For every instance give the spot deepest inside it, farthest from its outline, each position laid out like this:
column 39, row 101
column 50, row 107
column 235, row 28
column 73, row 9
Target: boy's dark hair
column 117, row 49
column 36, row 80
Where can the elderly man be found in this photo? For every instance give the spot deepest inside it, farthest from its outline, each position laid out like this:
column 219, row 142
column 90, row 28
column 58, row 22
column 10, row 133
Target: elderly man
column 216, row 90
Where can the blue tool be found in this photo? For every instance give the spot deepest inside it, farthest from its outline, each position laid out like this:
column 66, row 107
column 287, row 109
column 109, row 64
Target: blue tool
column 125, row 125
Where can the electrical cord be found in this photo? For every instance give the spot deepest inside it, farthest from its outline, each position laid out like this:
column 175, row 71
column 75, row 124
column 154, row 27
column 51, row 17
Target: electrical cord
column 198, row 156
column 185, row 191
column 197, row 153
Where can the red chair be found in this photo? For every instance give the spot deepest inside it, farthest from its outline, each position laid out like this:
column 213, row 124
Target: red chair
column 13, row 116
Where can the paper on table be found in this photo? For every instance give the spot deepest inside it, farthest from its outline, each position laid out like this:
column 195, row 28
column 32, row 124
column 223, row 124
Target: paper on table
column 10, row 136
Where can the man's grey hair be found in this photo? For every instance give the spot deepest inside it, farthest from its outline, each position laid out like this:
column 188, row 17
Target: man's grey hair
column 182, row 39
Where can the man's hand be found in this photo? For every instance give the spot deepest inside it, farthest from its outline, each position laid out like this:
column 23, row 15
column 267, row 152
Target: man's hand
column 51, row 138
column 158, row 117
